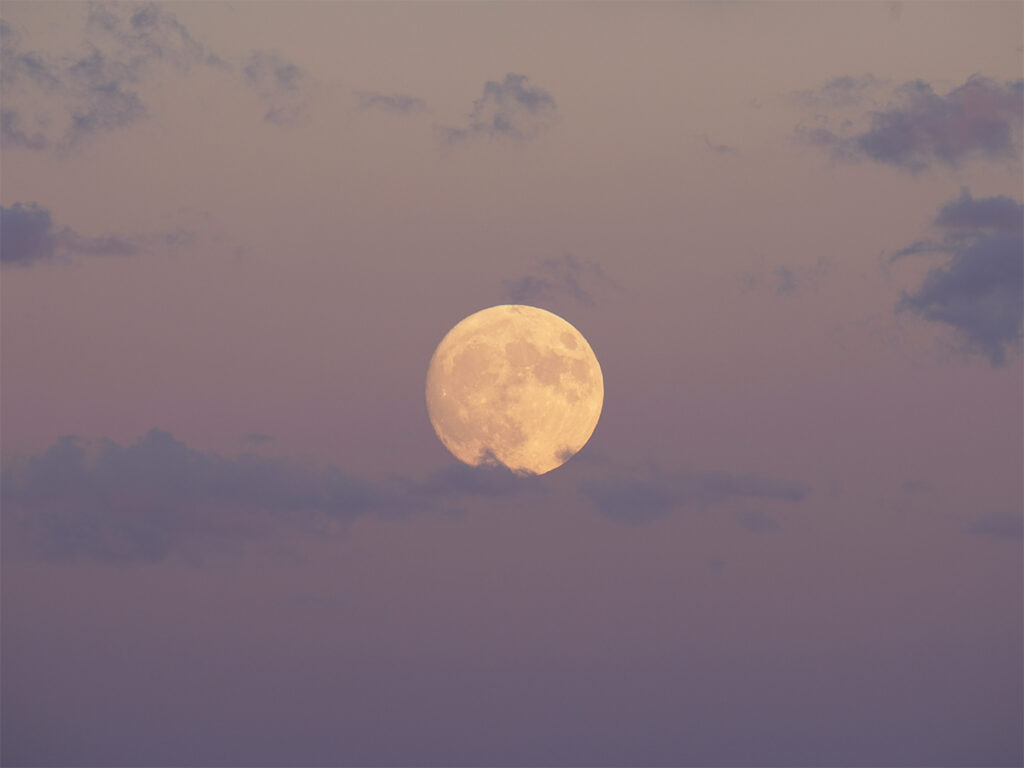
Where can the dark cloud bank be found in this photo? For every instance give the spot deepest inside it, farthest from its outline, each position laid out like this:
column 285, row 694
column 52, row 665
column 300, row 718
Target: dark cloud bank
column 157, row 498
column 921, row 127
column 28, row 236
column 980, row 289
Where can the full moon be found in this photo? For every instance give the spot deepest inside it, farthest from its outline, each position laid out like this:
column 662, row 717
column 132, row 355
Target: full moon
column 514, row 384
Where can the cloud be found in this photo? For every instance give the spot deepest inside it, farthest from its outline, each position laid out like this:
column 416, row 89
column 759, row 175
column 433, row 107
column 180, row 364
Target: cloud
column 637, row 500
column 511, row 109
column 391, row 102
column 12, row 134
column 158, row 498
column 1005, row 524
column 982, row 118
column 785, row 280
column 565, row 276
column 27, row 236
column 840, row 91
column 755, row 521
column 967, row 213
column 279, row 82
column 718, row 149
column 67, row 99
column 979, row 290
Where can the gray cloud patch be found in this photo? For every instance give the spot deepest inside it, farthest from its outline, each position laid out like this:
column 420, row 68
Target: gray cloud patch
column 390, row 102
column 565, row 276
column 640, row 500
column 756, row 521
column 279, row 82
column 511, row 108
column 840, row 91
column 1006, row 524
column 28, row 236
column 982, row 117
column 157, row 498
column 996, row 213
column 979, row 291
column 95, row 92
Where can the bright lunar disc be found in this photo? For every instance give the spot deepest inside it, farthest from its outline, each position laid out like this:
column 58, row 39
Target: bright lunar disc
column 514, row 384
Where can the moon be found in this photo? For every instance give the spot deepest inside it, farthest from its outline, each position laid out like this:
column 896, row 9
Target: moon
column 517, row 385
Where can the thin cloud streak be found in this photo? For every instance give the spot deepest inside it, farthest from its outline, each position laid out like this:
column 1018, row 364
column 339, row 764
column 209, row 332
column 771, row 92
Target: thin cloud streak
column 28, row 236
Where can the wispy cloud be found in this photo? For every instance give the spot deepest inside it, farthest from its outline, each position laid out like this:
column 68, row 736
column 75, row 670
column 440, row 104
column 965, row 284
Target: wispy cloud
column 1006, row 524
column 389, row 102
column 638, row 499
column 920, row 127
column 718, row 149
column 279, row 82
column 28, row 236
column 842, row 91
column 979, row 290
column 566, row 276
column 511, row 108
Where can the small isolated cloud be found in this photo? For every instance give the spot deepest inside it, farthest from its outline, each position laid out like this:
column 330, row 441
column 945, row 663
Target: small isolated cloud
column 28, row 236
column 565, row 276
column 158, row 498
column 785, row 280
column 511, row 108
column 843, row 91
column 279, row 83
column 637, row 500
column 979, row 290
column 389, row 102
column 1005, row 524
column 980, row 118
column 718, row 149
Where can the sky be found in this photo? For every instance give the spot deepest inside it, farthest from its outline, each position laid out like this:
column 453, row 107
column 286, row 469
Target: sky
column 233, row 235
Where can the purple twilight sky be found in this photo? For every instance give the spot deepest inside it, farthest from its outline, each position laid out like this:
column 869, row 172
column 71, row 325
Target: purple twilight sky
column 233, row 235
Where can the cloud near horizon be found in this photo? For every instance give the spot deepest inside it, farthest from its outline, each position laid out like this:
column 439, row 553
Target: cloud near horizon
column 158, row 498
column 920, row 127
column 979, row 291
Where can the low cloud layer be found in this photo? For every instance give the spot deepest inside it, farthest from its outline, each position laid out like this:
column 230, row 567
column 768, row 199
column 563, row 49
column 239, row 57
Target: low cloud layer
column 920, row 127
column 979, row 290
column 511, row 108
column 158, row 498
column 637, row 500
column 28, row 236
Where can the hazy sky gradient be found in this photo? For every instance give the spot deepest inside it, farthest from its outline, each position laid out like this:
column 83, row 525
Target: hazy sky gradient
column 233, row 235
